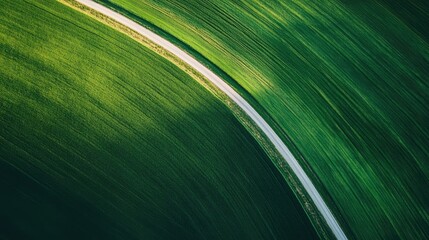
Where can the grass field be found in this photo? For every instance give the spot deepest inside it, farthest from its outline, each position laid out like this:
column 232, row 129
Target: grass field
column 101, row 138
column 347, row 81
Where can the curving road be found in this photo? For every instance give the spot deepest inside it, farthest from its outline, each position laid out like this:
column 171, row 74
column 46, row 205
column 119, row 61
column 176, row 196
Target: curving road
column 246, row 107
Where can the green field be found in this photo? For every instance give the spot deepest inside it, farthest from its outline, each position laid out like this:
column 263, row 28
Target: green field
column 101, row 138
column 346, row 81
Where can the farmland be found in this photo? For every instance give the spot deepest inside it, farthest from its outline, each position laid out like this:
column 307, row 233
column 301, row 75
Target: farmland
column 101, row 138
column 345, row 82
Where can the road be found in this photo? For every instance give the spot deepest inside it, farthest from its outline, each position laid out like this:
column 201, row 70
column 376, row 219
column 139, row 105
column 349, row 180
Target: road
column 240, row 101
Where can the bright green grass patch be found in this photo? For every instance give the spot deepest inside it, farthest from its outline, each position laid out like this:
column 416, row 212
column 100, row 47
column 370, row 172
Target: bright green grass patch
column 346, row 80
column 101, row 138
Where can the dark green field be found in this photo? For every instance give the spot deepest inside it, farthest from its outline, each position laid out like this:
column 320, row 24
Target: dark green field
column 100, row 138
column 346, row 81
